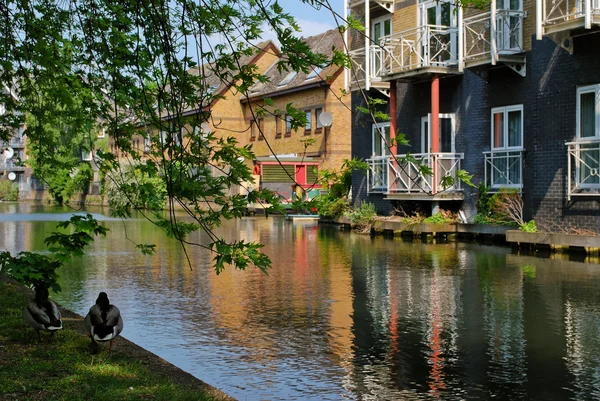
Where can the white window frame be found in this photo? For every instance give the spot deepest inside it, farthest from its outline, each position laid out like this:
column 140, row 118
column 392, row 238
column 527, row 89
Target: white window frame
column 427, row 119
column 102, row 132
column 384, row 147
column 308, row 116
column 578, row 138
column 580, row 91
column 382, row 20
column 505, row 110
column 147, row 143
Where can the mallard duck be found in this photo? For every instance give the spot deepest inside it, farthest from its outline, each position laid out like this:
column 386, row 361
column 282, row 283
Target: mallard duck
column 103, row 321
column 42, row 313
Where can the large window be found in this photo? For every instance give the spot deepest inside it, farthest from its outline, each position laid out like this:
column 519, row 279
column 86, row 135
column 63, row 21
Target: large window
column 507, row 127
column 446, row 134
column 379, row 159
column 504, row 162
column 587, row 148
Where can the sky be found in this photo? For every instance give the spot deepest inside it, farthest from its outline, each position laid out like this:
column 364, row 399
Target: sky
column 311, row 21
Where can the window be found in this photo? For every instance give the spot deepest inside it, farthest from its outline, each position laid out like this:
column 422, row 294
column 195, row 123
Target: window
column 279, row 122
column 504, row 163
column 147, row 143
column 102, row 132
column 288, row 124
column 588, row 112
column 253, row 129
column 308, row 126
column 86, row 155
column 176, row 138
column 288, row 78
column 318, row 125
column 446, row 133
column 507, row 127
column 379, row 159
column 261, row 128
column 587, row 146
column 314, row 73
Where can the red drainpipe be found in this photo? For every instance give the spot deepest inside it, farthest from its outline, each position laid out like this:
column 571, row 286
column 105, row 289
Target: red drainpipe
column 394, row 147
column 435, row 126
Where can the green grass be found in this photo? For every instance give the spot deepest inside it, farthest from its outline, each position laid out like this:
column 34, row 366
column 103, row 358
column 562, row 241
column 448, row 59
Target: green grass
column 62, row 367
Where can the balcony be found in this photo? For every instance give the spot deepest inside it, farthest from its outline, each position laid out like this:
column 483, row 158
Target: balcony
column 11, row 165
column 488, row 43
column 583, row 168
column 15, row 142
column 372, row 4
column 566, row 15
column 404, row 179
column 421, row 50
column 359, row 70
column 504, row 169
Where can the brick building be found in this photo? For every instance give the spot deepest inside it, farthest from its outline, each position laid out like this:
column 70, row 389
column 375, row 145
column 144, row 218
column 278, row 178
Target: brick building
column 510, row 93
column 323, row 143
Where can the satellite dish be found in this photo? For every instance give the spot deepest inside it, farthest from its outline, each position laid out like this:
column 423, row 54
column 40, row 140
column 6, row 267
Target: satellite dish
column 12, row 176
column 326, row 119
column 8, row 153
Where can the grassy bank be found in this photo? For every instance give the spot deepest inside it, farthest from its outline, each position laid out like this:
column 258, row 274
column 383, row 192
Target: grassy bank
column 62, row 368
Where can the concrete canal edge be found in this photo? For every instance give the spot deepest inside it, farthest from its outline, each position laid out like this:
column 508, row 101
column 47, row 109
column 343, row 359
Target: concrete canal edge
column 131, row 350
column 556, row 242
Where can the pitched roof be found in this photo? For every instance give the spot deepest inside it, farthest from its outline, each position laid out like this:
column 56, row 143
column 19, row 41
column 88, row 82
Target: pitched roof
column 286, row 81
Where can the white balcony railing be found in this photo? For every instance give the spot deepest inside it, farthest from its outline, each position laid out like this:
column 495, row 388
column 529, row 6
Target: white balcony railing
column 561, row 11
column 424, row 46
column 358, row 57
column 583, row 168
column 390, row 176
column 480, row 42
column 504, row 169
column 11, row 165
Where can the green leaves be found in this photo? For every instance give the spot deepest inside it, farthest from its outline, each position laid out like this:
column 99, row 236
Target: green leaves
column 36, row 269
column 239, row 254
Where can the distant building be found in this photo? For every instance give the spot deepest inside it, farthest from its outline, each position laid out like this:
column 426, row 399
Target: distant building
column 12, row 156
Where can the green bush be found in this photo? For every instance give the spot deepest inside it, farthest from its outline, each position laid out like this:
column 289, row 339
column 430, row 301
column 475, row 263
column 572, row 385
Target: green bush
column 329, row 206
column 362, row 218
column 440, row 218
column 529, row 227
column 9, row 191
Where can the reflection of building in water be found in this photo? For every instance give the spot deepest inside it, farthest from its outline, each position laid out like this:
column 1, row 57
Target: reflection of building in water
column 503, row 309
column 563, row 324
column 300, row 308
column 582, row 327
column 405, row 318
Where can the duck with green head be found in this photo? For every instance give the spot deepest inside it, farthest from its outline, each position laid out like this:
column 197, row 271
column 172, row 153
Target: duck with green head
column 42, row 314
column 103, row 321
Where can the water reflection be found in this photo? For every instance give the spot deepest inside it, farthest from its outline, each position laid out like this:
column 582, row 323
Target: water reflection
column 342, row 316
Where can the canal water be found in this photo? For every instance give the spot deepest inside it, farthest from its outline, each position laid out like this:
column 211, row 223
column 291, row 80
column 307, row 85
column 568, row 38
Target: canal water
column 342, row 316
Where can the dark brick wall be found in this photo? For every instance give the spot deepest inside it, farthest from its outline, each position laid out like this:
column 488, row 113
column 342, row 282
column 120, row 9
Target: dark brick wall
column 548, row 95
column 362, row 147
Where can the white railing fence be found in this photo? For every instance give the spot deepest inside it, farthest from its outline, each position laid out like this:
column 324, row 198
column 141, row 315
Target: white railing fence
column 423, row 46
column 583, row 168
column 504, row 169
column 478, row 39
column 401, row 176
